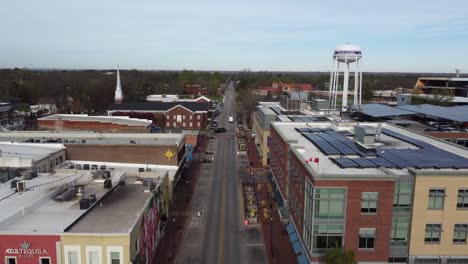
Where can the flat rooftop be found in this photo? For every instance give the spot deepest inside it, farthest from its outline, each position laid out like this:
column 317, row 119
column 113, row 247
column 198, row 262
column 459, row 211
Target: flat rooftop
column 117, row 212
column 27, row 150
column 75, row 137
column 36, row 209
column 393, row 140
column 120, row 120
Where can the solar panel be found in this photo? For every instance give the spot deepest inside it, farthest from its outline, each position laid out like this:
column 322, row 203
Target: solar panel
column 400, row 163
column 345, row 162
column 303, row 129
column 364, row 163
column 378, row 110
column 342, row 148
column 405, row 155
column 381, row 162
column 321, row 144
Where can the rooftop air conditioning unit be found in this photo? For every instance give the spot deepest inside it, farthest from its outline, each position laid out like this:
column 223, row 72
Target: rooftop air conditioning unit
column 107, row 184
column 21, row 186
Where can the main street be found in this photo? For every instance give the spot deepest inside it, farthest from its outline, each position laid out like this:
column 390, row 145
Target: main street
column 217, row 236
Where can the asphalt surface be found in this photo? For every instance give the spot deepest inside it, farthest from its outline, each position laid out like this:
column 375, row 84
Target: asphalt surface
column 217, row 236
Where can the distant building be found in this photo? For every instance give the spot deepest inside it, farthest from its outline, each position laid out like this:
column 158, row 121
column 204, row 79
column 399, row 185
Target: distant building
column 16, row 158
column 294, row 100
column 6, row 114
column 67, row 122
column 154, row 148
column 279, row 87
column 182, row 115
column 196, row 89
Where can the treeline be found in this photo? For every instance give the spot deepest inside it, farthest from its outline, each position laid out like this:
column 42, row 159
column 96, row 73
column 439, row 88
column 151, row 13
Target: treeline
column 94, row 90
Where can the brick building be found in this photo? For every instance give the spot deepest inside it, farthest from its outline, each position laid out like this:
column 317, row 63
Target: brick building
column 151, row 148
column 64, row 122
column 184, row 115
column 344, row 186
column 196, row 89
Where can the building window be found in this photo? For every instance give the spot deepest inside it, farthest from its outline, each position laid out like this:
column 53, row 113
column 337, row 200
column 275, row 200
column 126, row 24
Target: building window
column 402, row 197
column 457, row 261
column 183, row 124
column 399, row 234
column 432, row 233
column 168, row 124
column 397, row 260
column 459, row 233
column 327, row 237
column 168, row 117
column 72, row 255
column 330, row 202
column 198, row 117
column 10, row 260
column 114, row 255
column 44, row 260
column 462, row 202
column 436, row 198
column 179, row 118
column 427, row 261
column 198, row 124
column 174, row 124
column 93, row 254
column 191, row 117
column 183, row 117
column 367, row 238
column 190, row 124
column 369, row 201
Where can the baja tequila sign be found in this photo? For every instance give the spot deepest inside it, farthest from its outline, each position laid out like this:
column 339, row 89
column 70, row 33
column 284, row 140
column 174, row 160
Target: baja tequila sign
column 25, row 250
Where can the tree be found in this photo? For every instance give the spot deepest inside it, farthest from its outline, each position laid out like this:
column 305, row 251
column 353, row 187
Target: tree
column 338, row 256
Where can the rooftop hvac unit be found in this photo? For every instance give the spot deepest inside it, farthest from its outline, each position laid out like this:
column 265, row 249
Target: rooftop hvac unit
column 92, row 199
column 21, row 186
column 84, row 203
column 13, row 184
column 29, row 174
column 107, row 184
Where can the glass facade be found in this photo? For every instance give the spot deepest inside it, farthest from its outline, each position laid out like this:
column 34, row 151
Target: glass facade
column 402, row 197
column 326, row 237
column 329, row 202
column 322, row 204
column 399, row 233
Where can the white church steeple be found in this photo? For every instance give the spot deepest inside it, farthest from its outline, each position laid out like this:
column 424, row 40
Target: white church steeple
column 118, row 98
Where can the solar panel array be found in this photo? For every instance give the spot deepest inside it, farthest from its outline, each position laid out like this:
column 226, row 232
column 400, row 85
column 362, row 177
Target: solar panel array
column 276, row 109
column 333, row 143
column 308, row 119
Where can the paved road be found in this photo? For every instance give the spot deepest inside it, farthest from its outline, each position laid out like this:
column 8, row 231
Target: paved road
column 218, row 236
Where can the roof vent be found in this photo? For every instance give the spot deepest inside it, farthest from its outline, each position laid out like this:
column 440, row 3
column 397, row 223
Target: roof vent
column 107, row 184
column 20, row 186
column 365, row 134
column 84, row 203
column 29, row 174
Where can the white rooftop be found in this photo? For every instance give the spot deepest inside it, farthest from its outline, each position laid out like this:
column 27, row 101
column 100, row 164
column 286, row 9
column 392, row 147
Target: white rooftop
column 120, row 120
column 35, row 210
column 306, row 150
column 163, row 139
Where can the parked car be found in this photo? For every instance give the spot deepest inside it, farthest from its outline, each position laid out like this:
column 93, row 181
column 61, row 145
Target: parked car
column 431, row 129
column 220, row 130
column 448, row 129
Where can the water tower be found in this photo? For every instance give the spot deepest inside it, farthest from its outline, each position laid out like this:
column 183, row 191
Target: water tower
column 345, row 55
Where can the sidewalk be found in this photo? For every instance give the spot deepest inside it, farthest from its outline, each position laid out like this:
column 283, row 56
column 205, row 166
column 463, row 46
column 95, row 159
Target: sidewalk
column 178, row 215
column 277, row 245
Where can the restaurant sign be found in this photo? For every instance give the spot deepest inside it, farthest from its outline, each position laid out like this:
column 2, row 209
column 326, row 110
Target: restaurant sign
column 25, row 250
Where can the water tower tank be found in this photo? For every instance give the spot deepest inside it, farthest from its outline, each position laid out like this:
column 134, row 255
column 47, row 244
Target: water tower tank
column 347, row 53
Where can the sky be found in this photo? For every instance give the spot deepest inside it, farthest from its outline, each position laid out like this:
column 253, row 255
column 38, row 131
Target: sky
column 293, row 35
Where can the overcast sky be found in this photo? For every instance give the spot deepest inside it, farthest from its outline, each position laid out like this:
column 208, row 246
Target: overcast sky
column 293, row 35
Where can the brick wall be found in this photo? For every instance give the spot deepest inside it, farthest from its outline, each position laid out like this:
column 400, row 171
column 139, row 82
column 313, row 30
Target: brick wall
column 122, row 153
column 90, row 125
column 188, row 119
column 279, row 161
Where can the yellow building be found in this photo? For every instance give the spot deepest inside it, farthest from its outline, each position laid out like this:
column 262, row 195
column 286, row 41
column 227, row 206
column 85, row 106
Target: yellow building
column 124, row 227
column 262, row 118
column 440, row 217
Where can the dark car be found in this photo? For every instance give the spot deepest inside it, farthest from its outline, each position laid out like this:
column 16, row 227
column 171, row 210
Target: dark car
column 431, row 129
column 220, row 130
